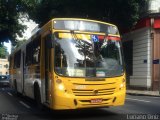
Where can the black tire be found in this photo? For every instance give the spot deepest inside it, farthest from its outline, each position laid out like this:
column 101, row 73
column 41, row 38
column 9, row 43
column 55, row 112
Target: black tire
column 15, row 85
column 38, row 97
column 16, row 91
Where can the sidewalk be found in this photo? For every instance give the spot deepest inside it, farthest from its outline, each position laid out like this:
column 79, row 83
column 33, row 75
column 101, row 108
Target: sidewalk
column 144, row 93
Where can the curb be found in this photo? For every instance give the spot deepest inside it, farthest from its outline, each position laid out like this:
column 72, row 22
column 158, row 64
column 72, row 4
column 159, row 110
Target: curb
column 142, row 94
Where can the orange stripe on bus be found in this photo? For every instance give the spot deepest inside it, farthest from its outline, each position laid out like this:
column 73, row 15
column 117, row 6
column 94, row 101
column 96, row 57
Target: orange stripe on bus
column 109, row 37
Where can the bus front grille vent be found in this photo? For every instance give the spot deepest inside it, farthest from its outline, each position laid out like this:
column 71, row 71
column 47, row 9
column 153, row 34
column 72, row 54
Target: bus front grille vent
column 97, row 92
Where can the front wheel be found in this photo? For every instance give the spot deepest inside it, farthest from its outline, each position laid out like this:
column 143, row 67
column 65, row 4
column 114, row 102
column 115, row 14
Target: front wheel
column 38, row 98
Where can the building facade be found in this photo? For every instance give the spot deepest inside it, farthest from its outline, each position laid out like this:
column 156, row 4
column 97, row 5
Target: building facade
column 143, row 53
column 142, row 49
column 4, row 66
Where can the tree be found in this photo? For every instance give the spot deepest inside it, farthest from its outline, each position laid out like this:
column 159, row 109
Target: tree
column 3, row 51
column 9, row 25
column 123, row 13
column 19, row 43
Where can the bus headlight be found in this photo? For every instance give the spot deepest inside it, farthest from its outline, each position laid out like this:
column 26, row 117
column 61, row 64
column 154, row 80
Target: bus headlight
column 58, row 81
column 122, row 85
column 61, row 87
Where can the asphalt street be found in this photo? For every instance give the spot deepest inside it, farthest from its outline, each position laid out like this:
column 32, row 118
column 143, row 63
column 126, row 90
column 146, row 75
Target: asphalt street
column 13, row 107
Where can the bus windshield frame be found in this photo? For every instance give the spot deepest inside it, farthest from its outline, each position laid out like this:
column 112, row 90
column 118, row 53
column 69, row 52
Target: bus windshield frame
column 86, row 57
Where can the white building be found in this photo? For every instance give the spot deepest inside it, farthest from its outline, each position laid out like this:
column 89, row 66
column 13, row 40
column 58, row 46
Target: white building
column 142, row 50
column 4, row 66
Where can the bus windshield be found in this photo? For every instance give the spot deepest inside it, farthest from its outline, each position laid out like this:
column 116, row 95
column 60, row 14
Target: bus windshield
column 88, row 56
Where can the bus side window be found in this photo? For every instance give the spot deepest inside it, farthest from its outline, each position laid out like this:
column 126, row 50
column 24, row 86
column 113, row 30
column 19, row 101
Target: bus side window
column 33, row 52
column 17, row 59
column 28, row 60
column 36, row 51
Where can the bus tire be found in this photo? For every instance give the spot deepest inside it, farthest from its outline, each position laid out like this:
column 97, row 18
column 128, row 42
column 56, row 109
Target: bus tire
column 37, row 97
column 15, row 87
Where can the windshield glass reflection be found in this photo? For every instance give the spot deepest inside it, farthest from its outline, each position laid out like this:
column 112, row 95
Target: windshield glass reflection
column 88, row 58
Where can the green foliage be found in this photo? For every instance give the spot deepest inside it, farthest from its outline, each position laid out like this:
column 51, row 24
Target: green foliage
column 19, row 43
column 9, row 25
column 3, row 51
column 123, row 13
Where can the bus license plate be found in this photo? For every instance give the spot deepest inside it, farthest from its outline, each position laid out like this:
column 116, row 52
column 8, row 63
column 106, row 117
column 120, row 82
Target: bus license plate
column 98, row 100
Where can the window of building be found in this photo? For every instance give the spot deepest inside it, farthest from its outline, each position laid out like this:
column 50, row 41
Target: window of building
column 0, row 65
column 6, row 66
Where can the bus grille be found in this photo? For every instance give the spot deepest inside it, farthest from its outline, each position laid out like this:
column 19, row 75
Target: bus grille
column 97, row 92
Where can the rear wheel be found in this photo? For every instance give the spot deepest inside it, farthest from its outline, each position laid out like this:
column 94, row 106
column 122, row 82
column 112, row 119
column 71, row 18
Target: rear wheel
column 15, row 87
column 38, row 97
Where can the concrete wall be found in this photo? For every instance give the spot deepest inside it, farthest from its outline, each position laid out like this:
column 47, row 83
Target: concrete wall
column 141, row 57
column 3, row 69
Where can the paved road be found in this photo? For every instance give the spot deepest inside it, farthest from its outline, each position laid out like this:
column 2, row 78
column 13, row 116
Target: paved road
column 12, row 106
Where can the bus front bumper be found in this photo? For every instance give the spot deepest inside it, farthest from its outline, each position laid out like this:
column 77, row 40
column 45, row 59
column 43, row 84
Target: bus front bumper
column 69, row 101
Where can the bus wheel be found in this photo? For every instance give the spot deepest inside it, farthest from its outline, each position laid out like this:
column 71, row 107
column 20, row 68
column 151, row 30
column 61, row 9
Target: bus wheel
column 38, row 97
column 15, row 87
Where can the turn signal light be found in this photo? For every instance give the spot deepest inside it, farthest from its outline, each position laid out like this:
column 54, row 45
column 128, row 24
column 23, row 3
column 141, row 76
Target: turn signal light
column 59, row 81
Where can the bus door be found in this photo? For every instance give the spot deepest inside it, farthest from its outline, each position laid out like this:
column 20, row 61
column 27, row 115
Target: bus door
column 47, row 55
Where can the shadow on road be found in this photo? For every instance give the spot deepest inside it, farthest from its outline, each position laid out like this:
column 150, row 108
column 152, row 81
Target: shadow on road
column 84, row 114
column 81, row 114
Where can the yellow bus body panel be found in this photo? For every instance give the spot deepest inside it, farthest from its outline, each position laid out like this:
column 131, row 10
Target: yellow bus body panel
column 74, row 93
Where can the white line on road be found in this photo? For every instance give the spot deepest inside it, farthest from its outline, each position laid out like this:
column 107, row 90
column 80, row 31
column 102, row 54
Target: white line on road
column 138, row 100
column 24, row 104
column 156, row 97
column 9, row 93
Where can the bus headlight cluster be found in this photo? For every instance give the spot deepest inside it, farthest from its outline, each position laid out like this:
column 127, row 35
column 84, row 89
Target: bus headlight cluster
column 58, row 81
column 60, row 85
column 122, row 85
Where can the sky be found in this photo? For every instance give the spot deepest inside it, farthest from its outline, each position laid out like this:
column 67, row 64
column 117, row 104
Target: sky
column 154, row 5
column 30, row 27
column 8, row 45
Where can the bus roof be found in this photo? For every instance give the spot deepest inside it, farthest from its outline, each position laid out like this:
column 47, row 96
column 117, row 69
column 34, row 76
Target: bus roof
column 84, row 25
column 89, row 20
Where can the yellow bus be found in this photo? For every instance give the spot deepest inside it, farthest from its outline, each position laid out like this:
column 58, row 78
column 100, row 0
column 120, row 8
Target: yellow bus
column 71, row 63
